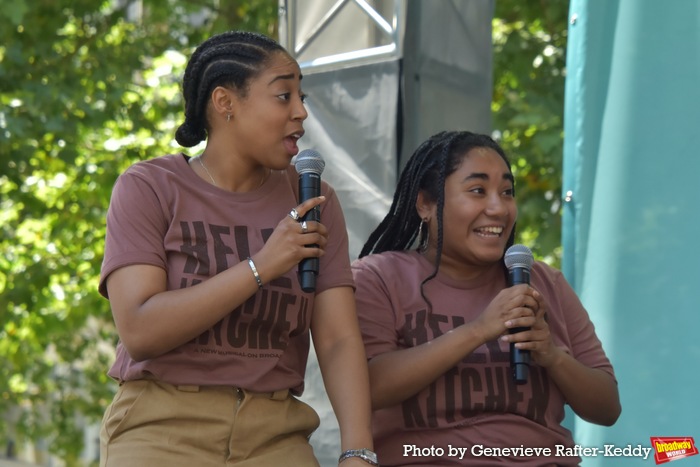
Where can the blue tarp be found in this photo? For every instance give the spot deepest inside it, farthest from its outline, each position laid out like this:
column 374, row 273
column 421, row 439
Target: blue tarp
column 632, row 227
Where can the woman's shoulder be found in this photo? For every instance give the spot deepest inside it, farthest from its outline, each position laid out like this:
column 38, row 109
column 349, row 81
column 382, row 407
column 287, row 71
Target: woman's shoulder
column 167, row 164
column 160, row 175
column 544, row 270
column 394, row 261
column 544, row 275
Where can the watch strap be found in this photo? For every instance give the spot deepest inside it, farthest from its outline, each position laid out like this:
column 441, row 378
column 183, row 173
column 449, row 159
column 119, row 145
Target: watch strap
column 365, row 454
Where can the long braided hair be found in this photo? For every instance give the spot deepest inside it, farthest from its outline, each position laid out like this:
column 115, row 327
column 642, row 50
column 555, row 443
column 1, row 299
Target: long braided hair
column 229, row 59
column 431, row 163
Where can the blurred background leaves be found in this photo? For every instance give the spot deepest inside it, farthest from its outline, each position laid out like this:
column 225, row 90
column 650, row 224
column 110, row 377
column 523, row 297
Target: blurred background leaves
column 88, row 87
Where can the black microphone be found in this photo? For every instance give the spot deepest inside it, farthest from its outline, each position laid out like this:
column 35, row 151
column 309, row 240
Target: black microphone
column 309, row 165
column 519, row 259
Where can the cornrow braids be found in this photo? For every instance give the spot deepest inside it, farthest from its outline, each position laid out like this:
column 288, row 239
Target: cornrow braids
column 230, row 59
column 399, row 228
column 427, row 169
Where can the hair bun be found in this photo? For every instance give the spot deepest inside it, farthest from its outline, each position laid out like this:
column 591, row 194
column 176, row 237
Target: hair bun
column 188, row 136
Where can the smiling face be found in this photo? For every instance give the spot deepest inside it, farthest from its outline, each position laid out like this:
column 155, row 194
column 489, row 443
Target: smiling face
column 267, row 120
column 479, row 212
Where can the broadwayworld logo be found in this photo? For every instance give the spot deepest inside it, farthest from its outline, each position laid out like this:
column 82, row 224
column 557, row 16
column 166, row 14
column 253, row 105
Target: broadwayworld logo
column 670, row 449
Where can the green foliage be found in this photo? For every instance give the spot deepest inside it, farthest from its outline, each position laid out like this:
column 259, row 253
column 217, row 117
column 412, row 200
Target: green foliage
column 86, row 89
column 529, row 72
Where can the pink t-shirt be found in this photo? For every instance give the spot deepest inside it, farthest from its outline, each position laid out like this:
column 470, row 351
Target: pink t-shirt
column 161, row 213
column 475, row 403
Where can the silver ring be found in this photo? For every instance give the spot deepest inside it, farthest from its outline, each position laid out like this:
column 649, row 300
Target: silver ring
column 294, row 214
column 304, row 227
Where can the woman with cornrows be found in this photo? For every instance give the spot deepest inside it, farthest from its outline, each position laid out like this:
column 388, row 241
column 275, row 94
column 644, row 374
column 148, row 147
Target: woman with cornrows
column 435, row 322
column 200, row 264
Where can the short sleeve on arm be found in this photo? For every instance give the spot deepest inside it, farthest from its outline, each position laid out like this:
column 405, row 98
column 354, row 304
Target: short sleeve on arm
column 136, row 226
column 586, row 347
column 376, row 314
column 335, row 263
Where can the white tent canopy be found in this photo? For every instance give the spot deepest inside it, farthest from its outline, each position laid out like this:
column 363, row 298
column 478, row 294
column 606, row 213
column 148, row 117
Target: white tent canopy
column 381, row 77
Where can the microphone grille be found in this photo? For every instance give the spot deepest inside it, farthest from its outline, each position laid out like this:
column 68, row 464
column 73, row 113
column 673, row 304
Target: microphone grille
column 519, row 256
column 309, row 161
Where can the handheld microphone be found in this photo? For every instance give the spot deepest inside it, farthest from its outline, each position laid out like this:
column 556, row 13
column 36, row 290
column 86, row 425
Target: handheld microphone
column 519, row 259
column 309, row 165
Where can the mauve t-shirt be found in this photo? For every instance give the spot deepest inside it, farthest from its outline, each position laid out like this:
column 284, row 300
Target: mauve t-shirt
column 476, row 403
column 161, row 213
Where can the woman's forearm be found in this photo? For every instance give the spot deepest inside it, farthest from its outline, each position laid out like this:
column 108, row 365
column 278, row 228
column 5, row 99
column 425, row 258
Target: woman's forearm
column 592, row 393
column 396, row 376
column 341, row 358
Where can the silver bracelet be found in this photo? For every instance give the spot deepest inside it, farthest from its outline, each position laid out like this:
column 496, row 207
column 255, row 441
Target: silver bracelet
column 255, row 272
column 365, row 454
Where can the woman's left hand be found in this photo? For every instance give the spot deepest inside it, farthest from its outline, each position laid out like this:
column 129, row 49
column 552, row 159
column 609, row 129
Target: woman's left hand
column 591, row 392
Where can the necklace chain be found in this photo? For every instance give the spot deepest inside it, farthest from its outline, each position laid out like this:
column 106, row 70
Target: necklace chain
column 201, row 162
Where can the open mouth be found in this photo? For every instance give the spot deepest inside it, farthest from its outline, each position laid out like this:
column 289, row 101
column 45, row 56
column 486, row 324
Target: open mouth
column 290, row 142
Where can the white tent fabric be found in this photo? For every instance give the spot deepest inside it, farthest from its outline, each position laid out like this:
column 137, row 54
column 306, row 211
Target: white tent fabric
column 382, row 76
column 352, row 124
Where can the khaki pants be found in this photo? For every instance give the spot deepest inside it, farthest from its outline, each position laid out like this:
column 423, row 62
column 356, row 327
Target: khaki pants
column 151, row 423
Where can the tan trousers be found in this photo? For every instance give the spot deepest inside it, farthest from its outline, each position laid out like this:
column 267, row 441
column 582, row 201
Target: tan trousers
column 151, row 423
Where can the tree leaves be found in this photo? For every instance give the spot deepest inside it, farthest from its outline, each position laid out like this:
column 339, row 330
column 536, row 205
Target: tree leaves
column 14, row 12
column 529, row 73
column 88, row 87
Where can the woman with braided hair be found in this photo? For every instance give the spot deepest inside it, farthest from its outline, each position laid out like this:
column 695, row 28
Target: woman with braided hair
column 435, row 322
column 200, row 264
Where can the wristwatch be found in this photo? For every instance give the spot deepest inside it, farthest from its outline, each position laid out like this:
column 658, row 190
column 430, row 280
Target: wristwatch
column 364, row 454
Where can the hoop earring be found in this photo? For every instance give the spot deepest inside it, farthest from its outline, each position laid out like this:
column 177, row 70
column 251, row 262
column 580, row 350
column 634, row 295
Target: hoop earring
column 423, row 239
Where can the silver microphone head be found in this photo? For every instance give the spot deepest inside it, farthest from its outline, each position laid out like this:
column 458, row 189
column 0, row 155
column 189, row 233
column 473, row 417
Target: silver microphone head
column 309, row 161
column 518, row 256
